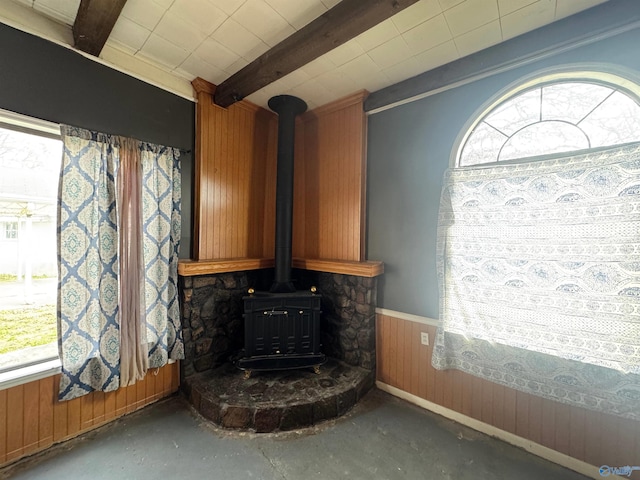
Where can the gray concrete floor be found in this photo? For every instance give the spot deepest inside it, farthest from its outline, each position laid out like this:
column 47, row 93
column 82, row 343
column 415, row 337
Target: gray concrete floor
column 381, row 438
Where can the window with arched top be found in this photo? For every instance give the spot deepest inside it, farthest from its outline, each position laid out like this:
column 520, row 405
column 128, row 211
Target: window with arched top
column 538, row 250
column 556, row 114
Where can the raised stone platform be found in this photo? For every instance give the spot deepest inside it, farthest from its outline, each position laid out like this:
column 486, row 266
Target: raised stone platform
column 282, row 400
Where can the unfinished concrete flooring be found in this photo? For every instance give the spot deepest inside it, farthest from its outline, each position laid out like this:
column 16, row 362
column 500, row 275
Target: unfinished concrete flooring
column 380, row 438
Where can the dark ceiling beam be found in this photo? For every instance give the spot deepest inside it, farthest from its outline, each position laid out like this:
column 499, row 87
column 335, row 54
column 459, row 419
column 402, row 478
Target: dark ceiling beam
column 346, row 20
column 94, row 22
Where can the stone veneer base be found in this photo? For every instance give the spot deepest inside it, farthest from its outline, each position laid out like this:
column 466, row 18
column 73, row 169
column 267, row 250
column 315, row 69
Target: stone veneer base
column 273, row 401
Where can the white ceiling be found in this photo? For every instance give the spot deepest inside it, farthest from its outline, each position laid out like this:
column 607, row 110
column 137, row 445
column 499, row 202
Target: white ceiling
column 170, row 42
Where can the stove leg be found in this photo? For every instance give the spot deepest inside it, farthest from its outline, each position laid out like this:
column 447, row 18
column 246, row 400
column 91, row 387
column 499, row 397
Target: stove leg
column 247, row 374
column 316, row 369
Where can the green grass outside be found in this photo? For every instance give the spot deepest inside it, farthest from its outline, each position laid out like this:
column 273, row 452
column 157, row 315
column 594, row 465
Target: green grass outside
column 27, row 327
column 8, row 277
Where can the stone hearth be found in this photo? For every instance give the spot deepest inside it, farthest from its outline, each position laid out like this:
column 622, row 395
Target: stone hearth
column 273, row 401
column 213, row 328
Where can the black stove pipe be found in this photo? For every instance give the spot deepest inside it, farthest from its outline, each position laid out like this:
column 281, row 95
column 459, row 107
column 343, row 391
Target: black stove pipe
column 287, row 107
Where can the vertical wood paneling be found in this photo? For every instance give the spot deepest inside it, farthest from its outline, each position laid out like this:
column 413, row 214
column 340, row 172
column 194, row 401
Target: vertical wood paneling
column 562, row 425
column 32, row 419
column 31, row 411
column 269, row 207
column 230, row 178
column 333, row 182
column 110, row 406
column 522, row 413
column 547, row 422
column 592, row 437
column 15, row 422
column 86, row 412
column 535, row 419
column 467, row 400
column 577, row 428
column 59, row 415
column 45, row 413
column 73, row 416
column 415, row 359
column 392, row 338
column 382, row 359
column 132, row 398
column 399, row 328
column 476, row 397
column 424, row 371
column 408, row 366
column 235, row 179
column 497, row 405
column 3, row 427
column 98, row 406
column 509, row 410
column 121, row 401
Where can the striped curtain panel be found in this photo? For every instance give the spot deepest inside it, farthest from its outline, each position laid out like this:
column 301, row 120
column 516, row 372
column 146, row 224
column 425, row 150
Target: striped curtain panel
column 118, row 243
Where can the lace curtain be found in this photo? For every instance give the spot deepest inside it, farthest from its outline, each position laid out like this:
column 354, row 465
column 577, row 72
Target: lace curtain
column 539, row 270
column 118, row 242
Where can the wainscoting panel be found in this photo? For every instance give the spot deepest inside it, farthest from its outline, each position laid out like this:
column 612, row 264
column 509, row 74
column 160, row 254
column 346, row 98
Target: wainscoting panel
column 32, row 419
column 595, row 438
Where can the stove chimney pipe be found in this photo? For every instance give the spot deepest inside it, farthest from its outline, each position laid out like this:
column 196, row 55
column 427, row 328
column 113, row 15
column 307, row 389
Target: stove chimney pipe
column 287, row 107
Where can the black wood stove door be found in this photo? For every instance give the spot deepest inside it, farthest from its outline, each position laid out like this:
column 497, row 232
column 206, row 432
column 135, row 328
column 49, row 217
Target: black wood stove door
column 281, row 330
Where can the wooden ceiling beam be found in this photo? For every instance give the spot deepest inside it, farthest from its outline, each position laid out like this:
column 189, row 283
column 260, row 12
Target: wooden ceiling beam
column 346, row 20
column 94, row 22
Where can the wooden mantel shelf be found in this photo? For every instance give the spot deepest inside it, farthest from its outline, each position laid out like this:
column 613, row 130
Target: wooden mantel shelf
column 359, row 269
column 188, row 268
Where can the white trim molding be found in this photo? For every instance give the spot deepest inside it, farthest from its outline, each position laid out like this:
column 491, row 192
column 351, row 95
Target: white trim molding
column 408, row 316
column 531, row 447
column 20, row 376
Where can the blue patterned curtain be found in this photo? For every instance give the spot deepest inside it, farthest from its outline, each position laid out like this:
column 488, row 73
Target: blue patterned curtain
column 539, row 270
column 89, row 302
column 161, row 242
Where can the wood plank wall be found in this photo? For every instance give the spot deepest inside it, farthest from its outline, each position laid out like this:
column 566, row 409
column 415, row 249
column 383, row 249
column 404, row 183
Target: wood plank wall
column 32, row 419
column 595, row 438
column 330, row 181
column 234, row 179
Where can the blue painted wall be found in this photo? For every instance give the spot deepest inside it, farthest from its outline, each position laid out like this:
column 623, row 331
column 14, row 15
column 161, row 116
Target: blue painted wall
column 409, row 148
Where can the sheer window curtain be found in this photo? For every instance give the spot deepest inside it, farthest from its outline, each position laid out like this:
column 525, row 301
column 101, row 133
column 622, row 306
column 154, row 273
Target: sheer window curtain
column 118, row 243
column 539, row 271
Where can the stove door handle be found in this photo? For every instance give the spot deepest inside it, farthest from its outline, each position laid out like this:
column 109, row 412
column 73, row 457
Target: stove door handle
column 276, row 312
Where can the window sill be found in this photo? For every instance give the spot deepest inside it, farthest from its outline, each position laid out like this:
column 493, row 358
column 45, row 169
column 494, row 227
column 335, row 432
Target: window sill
column 31, row 373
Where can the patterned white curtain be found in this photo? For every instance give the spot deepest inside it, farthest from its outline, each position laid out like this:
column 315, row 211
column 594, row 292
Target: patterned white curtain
column 539, row 269
column 90, row 295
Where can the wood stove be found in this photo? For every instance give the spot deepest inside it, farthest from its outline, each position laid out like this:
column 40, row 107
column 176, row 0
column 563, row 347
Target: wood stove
column 282, row 326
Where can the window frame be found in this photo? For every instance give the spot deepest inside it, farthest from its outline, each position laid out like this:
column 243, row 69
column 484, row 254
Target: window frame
column 6, row 231
column 45, row 367
column 618, row 78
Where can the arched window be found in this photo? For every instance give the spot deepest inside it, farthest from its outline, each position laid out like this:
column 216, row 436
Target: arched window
column 538, row 249
column 554, row 114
